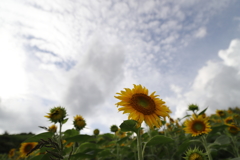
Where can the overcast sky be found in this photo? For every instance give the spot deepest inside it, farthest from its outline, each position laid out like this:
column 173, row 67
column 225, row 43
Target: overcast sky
column 78, row 54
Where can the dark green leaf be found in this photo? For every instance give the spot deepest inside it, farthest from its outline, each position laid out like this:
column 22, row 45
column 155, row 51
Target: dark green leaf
column 219, row 128
column 70, row 133
column 160, row 140
column 222, row 140
column 129, row 125
column 203, row 111
column 65, row 120
column 79, row 138
column 37, row 137
column 183, row 147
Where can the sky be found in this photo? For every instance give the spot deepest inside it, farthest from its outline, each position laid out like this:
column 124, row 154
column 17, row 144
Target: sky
column 78, row 54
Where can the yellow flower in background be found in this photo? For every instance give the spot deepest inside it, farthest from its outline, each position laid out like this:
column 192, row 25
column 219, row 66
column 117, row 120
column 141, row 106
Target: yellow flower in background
column 114, row 128
column 220, row 113
column 96, row 132
column 197, row 125
column 229, row 120
column 26, row 147
column 79, row 122
column 120, row 134
column 11, row 153
column 52, row 128
column 142, row 107
column 232, row 129
column 57, row 114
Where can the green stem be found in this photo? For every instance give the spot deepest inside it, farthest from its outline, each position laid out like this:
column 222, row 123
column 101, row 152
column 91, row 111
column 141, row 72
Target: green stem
column 60, row 137
column 234, row 146
column 139, row 144
column 204, row 141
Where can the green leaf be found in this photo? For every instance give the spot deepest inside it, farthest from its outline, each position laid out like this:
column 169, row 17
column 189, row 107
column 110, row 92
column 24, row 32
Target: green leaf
column 222, row 140
column 203, row 111
column 218, row 128
column 70, row 133
column 38, row 157
column 235, row 159
column 183, row 147
column 65, row 120
column 79, row 138
column 129, row 125
column 36, row 138
column 159, row 140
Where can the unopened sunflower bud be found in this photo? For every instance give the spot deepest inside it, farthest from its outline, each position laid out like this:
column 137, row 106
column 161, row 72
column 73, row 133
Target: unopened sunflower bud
column 193, row 107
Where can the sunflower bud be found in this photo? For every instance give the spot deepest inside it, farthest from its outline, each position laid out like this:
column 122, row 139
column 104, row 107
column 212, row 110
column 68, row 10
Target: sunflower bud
column 57, row 114
column 79, row 122
column 96, row 132
column 193, row 107
column 114, row 128
column 52, row 128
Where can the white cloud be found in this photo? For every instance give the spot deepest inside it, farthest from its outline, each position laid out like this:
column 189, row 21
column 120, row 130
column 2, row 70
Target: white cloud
column 217, row 84
column 201, row 32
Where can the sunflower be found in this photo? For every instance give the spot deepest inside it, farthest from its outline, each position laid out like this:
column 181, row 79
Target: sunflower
column 197, row 125
column 57, row 114
column 195, row 154
column 11, row 152
column 233, row 129
column 52, row 128
column 79, row 122
column 120, row 134
column 220, row 113
column 142, row 107
column 26, row 148
column 228, row 120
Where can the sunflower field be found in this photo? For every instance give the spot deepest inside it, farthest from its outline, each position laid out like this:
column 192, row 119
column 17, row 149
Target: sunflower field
column 196, row 136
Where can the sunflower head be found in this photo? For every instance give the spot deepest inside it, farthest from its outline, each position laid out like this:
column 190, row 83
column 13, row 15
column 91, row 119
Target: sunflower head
column 114, row 128
column 120, row 134
column 195, row 154
column 193, row 107
column 11, row 153
column 79, row 122
column 52, row 128
column 57, row 114
column 25, row 148
column 96, row 132
column 197, row 126
column 229, row 120
column 142, row 107
column 233, row 130
column 220, row 113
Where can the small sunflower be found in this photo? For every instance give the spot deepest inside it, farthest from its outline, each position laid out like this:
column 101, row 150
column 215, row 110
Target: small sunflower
column 197, row 126
column 26, row 148
column 11, row 152
column 193, row 107
column 229, row 120
column 79, row 122
column 96, row 132
column 220, row 113
column 195, row 154
column 120, row 134
column 233, row 130
column 142, row 107
column 57, row 114
column 52, row 128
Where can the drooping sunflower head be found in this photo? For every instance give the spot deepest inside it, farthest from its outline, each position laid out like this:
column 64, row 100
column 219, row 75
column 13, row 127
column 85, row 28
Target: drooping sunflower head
column 220, row 113
column 26, row 148
column 142, row 107
column 79, row 122
column 229, row 120
column 11, row 153
column 197, row 126
column 52, row 128
column 57, row 114
column 195, row 154
column 233, row 130
column 96, row 132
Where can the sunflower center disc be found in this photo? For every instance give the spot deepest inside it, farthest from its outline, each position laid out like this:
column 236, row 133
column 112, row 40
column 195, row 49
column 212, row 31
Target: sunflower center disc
column 143, row 103
column 198, row 126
